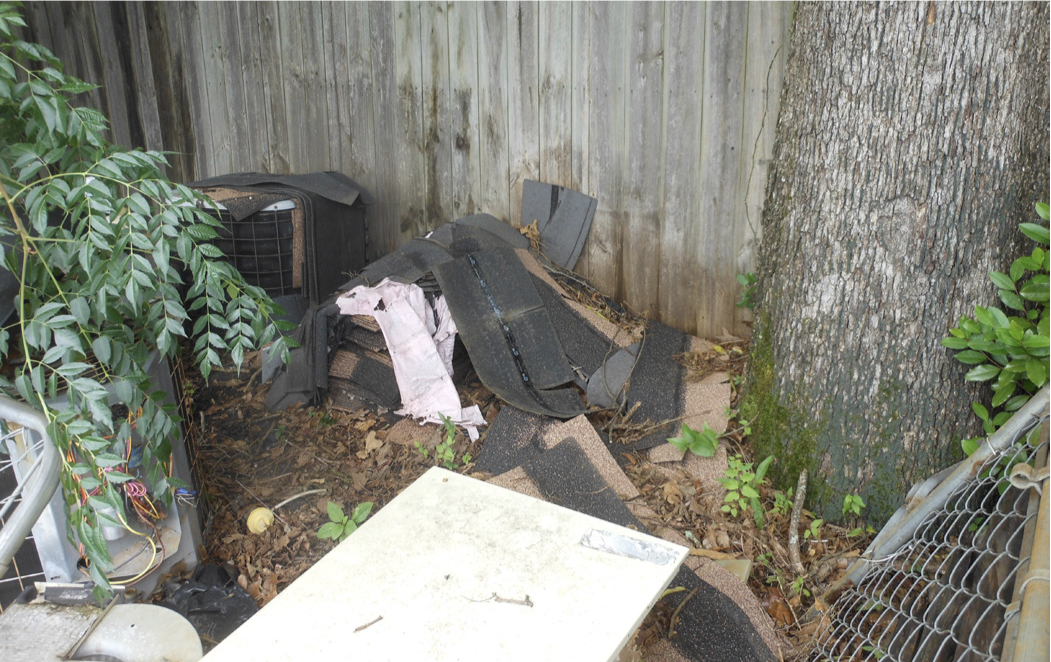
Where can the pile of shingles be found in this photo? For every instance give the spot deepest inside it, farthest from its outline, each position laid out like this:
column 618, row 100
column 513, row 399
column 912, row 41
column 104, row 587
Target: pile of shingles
column 361, row 368
column 551, row 360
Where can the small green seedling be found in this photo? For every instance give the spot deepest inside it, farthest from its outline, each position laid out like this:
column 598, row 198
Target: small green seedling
column 704, row 442
column 814, row 531
column 747, row 281
column 340, row 525
column 742, row 486
column 783, row 502
column 444, row 451
column 853, row 503
column 799, row 586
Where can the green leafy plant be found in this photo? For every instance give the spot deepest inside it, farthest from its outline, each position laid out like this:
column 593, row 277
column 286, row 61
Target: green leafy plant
column 742, row 485
column 799, row 586
column 444, row 451
column 747, row 281
column 703, row 442
column 814, row 530
column 111, row 260
column 783, row 502
column 853, row 504
column 1011, row 347
column 339, row 525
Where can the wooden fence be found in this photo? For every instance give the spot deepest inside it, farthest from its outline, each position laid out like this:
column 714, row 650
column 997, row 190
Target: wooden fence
column 663, row 111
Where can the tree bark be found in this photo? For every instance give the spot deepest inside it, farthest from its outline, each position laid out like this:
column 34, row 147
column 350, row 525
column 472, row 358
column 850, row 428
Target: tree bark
column 912, row 140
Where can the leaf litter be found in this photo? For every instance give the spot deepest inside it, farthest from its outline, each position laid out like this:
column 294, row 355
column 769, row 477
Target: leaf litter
column 250, row 457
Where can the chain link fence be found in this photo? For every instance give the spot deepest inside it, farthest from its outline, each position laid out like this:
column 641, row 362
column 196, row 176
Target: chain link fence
column 954, row 575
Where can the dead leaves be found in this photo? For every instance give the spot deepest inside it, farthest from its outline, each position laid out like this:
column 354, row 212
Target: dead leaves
column 371, row 443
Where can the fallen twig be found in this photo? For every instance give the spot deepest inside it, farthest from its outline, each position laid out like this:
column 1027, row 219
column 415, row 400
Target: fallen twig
column 496, row 598
column 362, row 627
column 793, row 525
column 675, row 614
column 297, row 496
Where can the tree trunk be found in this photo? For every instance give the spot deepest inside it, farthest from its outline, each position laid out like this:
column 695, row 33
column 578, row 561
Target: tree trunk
column 911, row 142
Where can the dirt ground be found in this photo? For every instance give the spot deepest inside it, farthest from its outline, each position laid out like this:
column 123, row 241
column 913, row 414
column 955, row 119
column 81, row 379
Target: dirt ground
column 251, row 457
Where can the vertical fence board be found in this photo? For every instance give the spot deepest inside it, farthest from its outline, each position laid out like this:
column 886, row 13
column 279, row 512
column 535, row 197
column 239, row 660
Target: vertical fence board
column 293, row 40
column 247, row 16
column 683, row 52
column 493, row 110
column 216, row 83
column 278, row 148
column 141, row 77
column 384, row 222
column 409, row 181
column 607, row 73
column 555, row 98
column 354, row 77
column 196, row 72
column 172, row 97
column 437, row 115
column 764, row 73
column 463, row 121
column 523, row 101
column 725, row 27
column 242, row 137
column 315, row 89
column 641, row 257
column 664, row 112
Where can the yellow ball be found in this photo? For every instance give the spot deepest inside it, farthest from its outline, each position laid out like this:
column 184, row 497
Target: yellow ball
column 260, row 519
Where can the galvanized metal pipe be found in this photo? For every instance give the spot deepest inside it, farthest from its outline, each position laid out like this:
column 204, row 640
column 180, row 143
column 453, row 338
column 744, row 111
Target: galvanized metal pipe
column 1032, row 642
column 44, row 481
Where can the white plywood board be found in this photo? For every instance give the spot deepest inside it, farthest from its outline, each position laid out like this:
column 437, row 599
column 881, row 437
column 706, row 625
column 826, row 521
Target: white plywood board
column 458, row 569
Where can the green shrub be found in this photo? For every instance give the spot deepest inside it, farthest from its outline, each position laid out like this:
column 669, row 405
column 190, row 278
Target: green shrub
column 98, row 241
column 1009, row 347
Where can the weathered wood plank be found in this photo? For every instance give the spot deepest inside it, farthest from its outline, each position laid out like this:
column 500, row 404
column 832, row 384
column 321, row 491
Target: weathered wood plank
column 581, row 108
column 437, row 115
column 173, row 98
column 196, row 73
column 247, row 18
column 142, row 80
column 293, row 35
column 331, row 48
column 493, row 110
column 233, row 56
column 677, row 271
column 764, row 73
column 409, row 181
column 214, row 80
column 278, row 151
column 580, row 95
column 641, row 256
column 463, row 119
column 308, row 107
column 723, row 77
column 555, row 103
column 356, row 113
column 384, row 222
column 607, row 73
column 523, row 99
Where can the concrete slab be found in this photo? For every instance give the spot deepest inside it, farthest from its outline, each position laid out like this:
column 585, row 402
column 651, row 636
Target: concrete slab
column 457, row 569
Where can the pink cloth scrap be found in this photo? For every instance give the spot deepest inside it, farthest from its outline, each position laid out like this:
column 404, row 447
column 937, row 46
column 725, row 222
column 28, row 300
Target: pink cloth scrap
column 420, row 351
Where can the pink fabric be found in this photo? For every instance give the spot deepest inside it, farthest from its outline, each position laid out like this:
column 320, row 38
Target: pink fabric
column 421, row 353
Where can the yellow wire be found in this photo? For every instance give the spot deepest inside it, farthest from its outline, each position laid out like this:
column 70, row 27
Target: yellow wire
column 149, row 566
